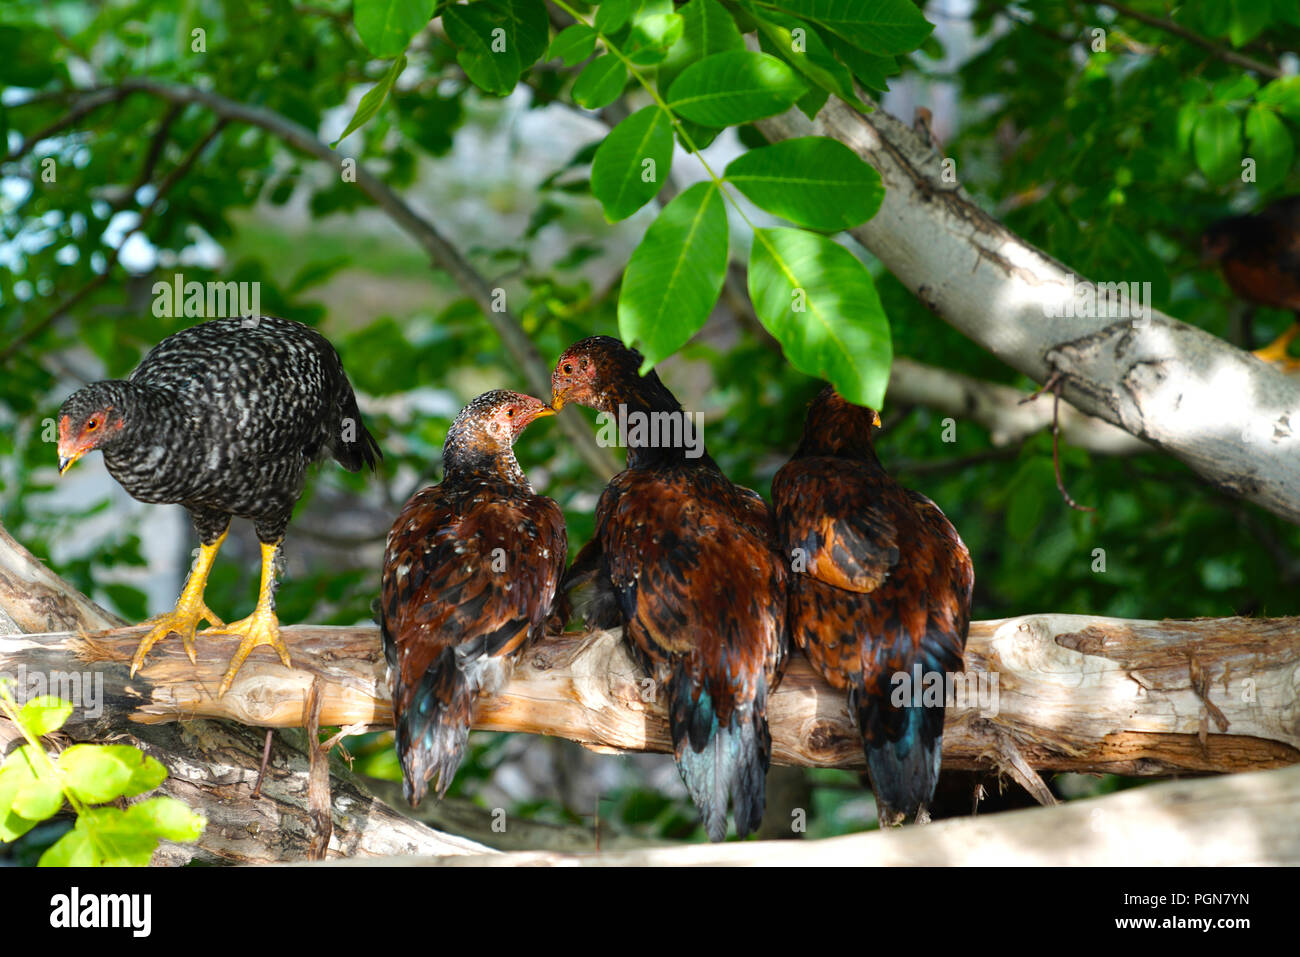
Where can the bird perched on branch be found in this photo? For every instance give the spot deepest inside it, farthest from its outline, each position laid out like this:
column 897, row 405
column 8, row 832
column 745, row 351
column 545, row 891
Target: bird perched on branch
column 470, row 571
column 1260, row 259
column 222, row 418
column 688, row 560
column 880, row 596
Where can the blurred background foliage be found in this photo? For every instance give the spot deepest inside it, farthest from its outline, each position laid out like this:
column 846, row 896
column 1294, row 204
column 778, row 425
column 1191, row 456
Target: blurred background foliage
column 1112, row 160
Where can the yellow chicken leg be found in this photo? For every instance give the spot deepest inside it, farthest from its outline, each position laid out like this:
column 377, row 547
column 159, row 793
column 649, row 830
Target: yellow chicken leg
column 189, row 611
column 1276, row 351
column 260, row 628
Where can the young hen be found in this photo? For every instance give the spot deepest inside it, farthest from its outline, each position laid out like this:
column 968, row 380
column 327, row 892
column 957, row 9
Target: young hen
column 470, row 571
column 688, row 560
column 879, row 598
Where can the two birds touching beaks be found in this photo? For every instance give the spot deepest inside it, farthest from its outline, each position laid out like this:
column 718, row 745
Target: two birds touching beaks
column 709, row 584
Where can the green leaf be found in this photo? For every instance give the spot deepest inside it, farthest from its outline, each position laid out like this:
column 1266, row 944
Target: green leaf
column 386, row 26
column 871, row 70
column 738, row 86
column 167, row 818
column 101, row 772
column 42, row 715
column 1283, row 94
column 1234, row 88
column 707, row 28
column 16, row 774
column 1247, row 19
column 71, row 850
column 600, row 82
column 652, row 36
column 496, row 40
column 1269, row 144
column 1217, row 143
column 573, row 44
column 801, row 46
column 820, row 303
column 373, row 100
column 882, row 27
column 612, row 14
column 814, row 181
column 632, row 163
column 675, row 275
column 109, row 836
column 39, row 799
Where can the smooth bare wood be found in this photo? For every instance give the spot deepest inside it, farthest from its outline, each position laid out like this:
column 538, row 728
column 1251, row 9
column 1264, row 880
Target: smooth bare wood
column 1241, row 820
column 1066, row 693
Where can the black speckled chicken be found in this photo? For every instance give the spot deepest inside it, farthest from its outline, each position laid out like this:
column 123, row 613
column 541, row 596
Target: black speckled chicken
column 222, row 418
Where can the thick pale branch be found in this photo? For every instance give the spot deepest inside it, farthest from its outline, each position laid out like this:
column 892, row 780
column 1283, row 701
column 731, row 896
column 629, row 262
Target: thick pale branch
column 1245, row 819
column 1048, row 692
column 1231, row 417
column 1002, row 409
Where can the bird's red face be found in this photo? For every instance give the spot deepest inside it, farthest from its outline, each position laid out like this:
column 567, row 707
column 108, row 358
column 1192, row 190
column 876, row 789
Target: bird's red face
column 511, row 414
column 1214, row 245
column 79, row 434
column 575, row 379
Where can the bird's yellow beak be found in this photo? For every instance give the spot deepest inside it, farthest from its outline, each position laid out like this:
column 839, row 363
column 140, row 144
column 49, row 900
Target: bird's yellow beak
column 65, row 461
column 875, row 418
column 543, row 412
column 557, row 401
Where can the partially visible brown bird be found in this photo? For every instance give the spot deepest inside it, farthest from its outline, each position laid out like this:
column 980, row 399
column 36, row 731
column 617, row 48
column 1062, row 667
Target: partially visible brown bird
column 880, row 596
column 687, row 562
column 470, row 572
column 1260, row 258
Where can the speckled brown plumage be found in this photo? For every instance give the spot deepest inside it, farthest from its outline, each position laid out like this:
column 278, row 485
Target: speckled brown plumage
column 882, row 587
column 688, row 560
column 470, row 571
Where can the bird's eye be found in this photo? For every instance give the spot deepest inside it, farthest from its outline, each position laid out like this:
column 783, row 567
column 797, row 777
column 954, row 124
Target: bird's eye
column 568, row 369
column 510, row 414
column 92, row 425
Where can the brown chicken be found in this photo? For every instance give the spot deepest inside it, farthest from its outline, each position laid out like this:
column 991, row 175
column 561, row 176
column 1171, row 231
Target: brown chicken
column 880, row 596
column 687, row 562
column 470, row 572
column 1260, row 258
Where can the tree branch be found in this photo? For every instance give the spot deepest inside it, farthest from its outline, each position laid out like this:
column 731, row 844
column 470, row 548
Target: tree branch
column 211, row 766
column 1191, row 36
column 1246, row 819
column 1059, row 692
column 1232, row 418
column 1002, row 410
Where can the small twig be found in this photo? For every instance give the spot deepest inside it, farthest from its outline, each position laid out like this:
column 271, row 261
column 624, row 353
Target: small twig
column 1168, row 26
column 266, row 758
column 1056, row 456
column 82, row 107
column 156, row 146
column 318, row 778
column 1053, row 384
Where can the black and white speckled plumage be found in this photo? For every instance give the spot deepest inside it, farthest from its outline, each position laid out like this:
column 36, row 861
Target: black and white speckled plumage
column 224, row 418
